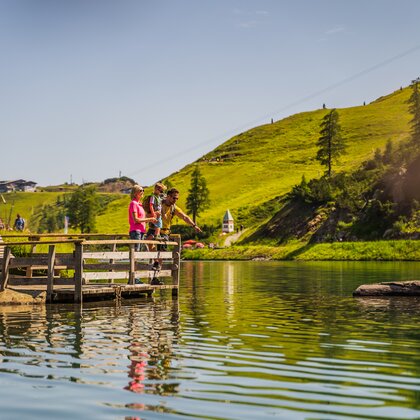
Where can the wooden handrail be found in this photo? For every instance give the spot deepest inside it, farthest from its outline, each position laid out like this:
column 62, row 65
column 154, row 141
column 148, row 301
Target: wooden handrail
column 62, row 235
column 128, row 242
column 64, row 241
column 77, row 241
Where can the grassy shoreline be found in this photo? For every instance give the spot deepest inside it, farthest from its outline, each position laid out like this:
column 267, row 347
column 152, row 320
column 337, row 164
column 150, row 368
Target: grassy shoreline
column 402, row 250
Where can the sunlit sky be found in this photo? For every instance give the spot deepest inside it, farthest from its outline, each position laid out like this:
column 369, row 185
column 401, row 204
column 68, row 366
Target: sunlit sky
column 90, row 89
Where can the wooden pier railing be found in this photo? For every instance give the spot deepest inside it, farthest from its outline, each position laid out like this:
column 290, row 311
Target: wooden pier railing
column 98, row 267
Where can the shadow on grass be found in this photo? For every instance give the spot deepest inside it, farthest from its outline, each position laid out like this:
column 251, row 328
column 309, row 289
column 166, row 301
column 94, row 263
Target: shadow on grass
column 293, row 254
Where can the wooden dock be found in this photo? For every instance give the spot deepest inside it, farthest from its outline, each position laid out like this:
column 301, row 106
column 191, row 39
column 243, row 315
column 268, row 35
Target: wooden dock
column 99, row 269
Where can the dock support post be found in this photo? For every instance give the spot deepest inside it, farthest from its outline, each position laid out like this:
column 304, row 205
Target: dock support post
column 176, row 262
column 50, row 281
column 78, row 272
column 5, row 268
column 132, row 273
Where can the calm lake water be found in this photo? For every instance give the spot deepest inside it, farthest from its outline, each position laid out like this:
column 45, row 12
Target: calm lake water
column 245, row 340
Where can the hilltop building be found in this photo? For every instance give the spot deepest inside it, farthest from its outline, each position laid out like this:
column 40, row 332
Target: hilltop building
column 17, row 185
column 227, row 226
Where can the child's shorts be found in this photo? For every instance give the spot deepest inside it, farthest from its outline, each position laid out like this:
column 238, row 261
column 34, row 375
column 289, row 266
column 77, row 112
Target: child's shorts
column 158, row 223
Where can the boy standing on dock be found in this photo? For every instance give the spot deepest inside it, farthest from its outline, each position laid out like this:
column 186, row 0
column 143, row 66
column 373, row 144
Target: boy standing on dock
column 153, row 207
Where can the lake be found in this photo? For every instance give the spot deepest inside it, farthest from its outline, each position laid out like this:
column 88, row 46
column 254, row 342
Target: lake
column 245, row 340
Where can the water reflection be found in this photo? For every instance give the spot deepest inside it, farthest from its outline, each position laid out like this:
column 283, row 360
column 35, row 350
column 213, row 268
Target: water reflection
column 58, row 338
column 245, row 340
column 151, row 349
column 295, row 330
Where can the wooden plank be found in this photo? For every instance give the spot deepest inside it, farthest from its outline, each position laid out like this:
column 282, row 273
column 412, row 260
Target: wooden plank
column 108, row 275
column 39, row 281
column 42, row 260
column 5, row 268
column 152, row 255
column 106, row 291
column 105, row 275
column 67, row 235
column 78, row 273
column 124, row 289
column 50, row 282
column 106, row 255
column 125, row 255
column 65, row 241
column 150, row 274
column 105, row 266
column 128, row 242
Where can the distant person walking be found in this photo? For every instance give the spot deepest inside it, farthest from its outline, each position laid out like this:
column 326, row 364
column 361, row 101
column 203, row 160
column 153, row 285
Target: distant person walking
column 19, row 223
column 137, row 216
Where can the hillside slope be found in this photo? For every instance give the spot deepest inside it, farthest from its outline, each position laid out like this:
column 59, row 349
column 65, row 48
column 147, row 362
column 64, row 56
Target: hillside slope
column 265, row 162
column 247, row 172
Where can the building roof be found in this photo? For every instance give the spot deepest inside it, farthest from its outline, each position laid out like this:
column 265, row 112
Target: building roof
column 18, row 182
column 227, row 217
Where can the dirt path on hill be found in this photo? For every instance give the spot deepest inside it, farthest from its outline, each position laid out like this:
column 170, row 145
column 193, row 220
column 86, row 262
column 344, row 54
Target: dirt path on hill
column 233, row 238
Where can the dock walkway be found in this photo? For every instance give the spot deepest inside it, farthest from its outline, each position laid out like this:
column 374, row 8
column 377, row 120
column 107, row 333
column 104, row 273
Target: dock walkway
column 77, row 268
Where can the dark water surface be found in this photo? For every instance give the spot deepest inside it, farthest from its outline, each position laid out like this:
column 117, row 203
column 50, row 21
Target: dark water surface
column 245, row 340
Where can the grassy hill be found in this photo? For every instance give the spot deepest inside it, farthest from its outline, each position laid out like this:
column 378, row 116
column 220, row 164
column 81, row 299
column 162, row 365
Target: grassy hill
column 258, row 165
column 254, row 167
column 25, row 204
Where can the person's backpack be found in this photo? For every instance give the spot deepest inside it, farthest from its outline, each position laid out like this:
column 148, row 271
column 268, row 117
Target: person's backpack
column 146, row 204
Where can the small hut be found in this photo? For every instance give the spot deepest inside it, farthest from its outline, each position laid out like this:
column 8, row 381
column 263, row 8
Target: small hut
column 227, row 226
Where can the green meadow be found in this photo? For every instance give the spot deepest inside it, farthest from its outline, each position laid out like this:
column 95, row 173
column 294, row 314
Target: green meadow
column 26, row 204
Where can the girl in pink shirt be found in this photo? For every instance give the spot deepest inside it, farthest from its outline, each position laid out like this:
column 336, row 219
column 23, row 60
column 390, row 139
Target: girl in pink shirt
column 137, row 216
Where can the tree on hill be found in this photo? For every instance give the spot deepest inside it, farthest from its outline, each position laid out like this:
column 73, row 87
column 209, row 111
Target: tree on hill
column 82, row 208
column 414, row 107
column 51, row 217
column 330, row 143
column 198, row 194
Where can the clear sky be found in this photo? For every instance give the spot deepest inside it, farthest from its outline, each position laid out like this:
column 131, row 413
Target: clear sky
column 89, row 88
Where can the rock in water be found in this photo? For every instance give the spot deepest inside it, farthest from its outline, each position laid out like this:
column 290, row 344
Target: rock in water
column 393, row 288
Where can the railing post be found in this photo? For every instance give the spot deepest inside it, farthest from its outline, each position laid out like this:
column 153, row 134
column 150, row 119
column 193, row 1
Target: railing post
column 5, row 268
column 132, row 273
column 50, row 281
column 114, row 249
column 78, row 272
column 29, row 272
column 176, row 262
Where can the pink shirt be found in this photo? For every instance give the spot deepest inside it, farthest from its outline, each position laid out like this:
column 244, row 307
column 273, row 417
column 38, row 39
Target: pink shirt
column 136, row 207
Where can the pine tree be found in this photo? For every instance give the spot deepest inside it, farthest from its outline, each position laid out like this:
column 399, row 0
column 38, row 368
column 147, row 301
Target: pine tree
column 414, row 107
column 388, row 153
column 330, row 143
column 82, row 208
column 198, row 194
